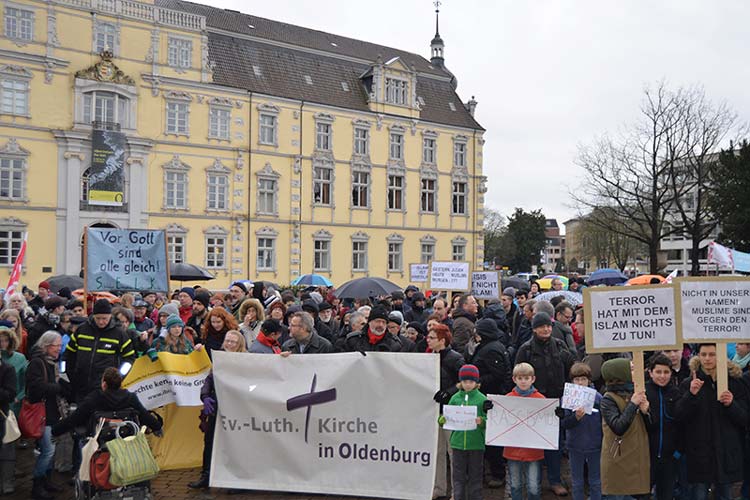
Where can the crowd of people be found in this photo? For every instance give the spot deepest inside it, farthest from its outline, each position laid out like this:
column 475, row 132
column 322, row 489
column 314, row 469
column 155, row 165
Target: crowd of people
column 677, row 438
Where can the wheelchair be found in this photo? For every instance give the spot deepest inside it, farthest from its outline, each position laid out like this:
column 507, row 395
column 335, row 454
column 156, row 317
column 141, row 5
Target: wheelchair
column 122, row 423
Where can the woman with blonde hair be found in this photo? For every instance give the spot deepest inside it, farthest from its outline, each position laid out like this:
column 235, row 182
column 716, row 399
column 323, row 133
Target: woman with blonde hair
column 251, row 312
column 13, row 317
column 175, row 340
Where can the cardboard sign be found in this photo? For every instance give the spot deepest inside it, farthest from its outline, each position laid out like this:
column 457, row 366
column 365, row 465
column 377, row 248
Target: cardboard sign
column 460, row 418
column 126, row 259
column 485, row 285
column 577, row 396
column 715, row 308
column 523, row 422
column 418, row 273
column 452, row 275
column 633, row 318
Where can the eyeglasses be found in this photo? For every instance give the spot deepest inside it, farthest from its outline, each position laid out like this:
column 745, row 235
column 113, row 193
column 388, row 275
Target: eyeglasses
column 432, row 337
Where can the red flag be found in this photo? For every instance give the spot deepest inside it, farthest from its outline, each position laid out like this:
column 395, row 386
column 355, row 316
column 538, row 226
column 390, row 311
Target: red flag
column 15, row 276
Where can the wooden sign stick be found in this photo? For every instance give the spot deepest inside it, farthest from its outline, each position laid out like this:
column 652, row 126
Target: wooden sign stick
column 639, row 376
column 722, row 376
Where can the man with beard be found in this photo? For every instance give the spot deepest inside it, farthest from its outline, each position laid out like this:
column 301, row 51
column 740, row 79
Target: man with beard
column 374, row 337
column 304, row 339
column 200, row 311
column 47, row 319
column 185, row 297
column 417, row 312
column 326, row 317
column 397, row 300
column 395, row 323
column 237, row 295
column 464, row 318
column 311, row 307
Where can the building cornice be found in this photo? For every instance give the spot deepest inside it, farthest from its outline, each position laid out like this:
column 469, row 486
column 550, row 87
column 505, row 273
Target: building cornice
column 44, row 61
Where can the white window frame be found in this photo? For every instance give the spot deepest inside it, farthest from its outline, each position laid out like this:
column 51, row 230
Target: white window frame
column 459, row 154
column 175, row 232
column 18, row 26
column 11, row 238
column 395, row 244
column 215, row 245
column 125, row 108
column 104, row 30
column 360, row 248
column 218, row 185
column 268, row 129
column 428, row 195
column 219, row 122
column 14, row 160
column 179, row 53
column 396, row 146
column 459, row 251
column 396, row 91
column 399, row 191
column 176, row 167
column 321, row 184
column 426, row 251
column 11, row 90
column 121, row 107
column 178, row 118
column 360, row 188
column 323, row 136
column 361, row 141
column 264, row 192
column 266, row 252
column 322, row 256
column 429, row 150
column 459, row 197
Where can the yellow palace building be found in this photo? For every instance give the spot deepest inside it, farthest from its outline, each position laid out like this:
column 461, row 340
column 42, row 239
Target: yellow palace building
column 265, row 150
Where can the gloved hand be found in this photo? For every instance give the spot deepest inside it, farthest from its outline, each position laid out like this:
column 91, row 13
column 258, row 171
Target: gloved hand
column 560, row 412
column 152, row 354
column 159, row 433
column 441, row 420
column 442, row 396
column 209, row 406
column 487, row 405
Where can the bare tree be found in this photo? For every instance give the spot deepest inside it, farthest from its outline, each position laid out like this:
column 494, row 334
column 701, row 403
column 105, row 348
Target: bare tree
column 602, row 244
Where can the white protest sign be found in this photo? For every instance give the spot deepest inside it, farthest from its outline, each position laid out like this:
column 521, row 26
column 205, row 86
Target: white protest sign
column 327, row 423
column 418, row 273
column 449, row 276
column 126, row 259
column 715, row 308
column 173, row 378
column 632, row 318
column 577, row 396
column 460, row 418
column 485, row 285
column 523, row 422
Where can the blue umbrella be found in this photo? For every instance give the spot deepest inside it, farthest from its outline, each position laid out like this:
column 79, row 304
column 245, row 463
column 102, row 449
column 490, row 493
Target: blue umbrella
column 312, row 279
column 609, row 277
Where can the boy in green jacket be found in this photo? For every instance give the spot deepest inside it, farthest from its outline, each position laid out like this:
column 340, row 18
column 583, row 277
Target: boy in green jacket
column 468, row 446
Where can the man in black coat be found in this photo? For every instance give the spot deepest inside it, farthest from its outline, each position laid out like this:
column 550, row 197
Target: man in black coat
column 47, row 319
column 491, row 357
column 311, row 307
column 374, row 336
column 417, row 311
column 551, row 360
column 304, row 338
column 714, row 426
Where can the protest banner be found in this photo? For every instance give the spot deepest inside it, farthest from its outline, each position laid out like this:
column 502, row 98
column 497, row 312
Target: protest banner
column 418, row 273
column 450, row 275
column 523, row 422
column 485, row 284
column 171, row 386
column 328, row 423
column 715, row 309
column 460, row 418
column 107, row 171
column 126, row 259
column 634, row 319
column 577, row 396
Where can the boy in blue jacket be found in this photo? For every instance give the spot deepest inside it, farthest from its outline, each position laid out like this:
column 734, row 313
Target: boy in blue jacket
column 584, row 439
column 663, row 430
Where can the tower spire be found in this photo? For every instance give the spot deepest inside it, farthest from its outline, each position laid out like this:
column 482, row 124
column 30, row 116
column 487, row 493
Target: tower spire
column 437, row 46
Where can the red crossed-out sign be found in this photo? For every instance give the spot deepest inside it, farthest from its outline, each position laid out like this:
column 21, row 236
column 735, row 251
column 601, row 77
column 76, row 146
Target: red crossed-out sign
column 509, row 406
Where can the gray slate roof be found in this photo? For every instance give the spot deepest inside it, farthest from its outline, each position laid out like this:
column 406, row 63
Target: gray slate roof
column 281, row 71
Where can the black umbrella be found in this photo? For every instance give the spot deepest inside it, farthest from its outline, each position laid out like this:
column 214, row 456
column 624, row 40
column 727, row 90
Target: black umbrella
column 188, row 272
column 71, row 281
column 268, row 284
column 517, row 283
column 365, row 287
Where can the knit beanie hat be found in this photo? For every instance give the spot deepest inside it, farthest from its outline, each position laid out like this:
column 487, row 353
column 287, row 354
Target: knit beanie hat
column 469, row 372
column 169, row 309
column 541, row 319
column 510, row 292
column 203, row 298
column 617, row 369
column 378, row 312
column 102, row 306
column 44, row 284
column 173, row 320
column 395, row 317
column 54, row 302
column 188, row 290
column 271, row 326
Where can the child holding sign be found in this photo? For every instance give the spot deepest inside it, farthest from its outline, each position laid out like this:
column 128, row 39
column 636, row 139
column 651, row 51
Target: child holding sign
column 583, row 439
column 468, row 446
column 524, row 464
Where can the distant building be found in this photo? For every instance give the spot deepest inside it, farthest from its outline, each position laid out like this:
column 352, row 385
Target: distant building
column 554, row 250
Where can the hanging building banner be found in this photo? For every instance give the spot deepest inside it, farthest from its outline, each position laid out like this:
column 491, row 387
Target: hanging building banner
column 126, row 259
column 338, row 424
column 107, row 172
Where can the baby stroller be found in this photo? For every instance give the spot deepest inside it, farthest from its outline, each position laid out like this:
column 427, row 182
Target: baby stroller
column 122, row 423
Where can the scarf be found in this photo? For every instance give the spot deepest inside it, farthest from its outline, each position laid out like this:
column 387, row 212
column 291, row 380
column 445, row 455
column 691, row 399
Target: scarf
column 626, row 388
column 372, row 338
column 527, row 392
column 62, row 405
column 269, row 342
column 742, row 361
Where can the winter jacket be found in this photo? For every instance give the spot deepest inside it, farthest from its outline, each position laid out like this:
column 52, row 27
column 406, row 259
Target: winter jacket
column 463, row 329
column 8, row 391
column 250, row 331
column 551, row 361
column 625, row 464
column 524, row 454
column 682, row 374
column 513, row 319
column 418, row 314
column 584, row 435
column 92, row 350
column 450, row 363
column 563, row 332
column 264, row 345
column 18, row 362
column 663, row 430
column 406, row 344
column 496, row 312
column 41, row 384
column 360, row 342
column 316, row 345
column 41, row 325
column 196, row 323
column 103, row 401
column 714, row 433
column 469, row 440
column 323, row 329
column 145, row 324
column 491, row 358
column 160, row 345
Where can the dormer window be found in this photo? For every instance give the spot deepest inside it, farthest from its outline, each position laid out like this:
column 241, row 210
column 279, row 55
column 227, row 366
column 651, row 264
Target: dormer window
column 396, row 91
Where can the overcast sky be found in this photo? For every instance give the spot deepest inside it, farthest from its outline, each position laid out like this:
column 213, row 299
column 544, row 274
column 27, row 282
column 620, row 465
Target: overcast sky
column 549, row 74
